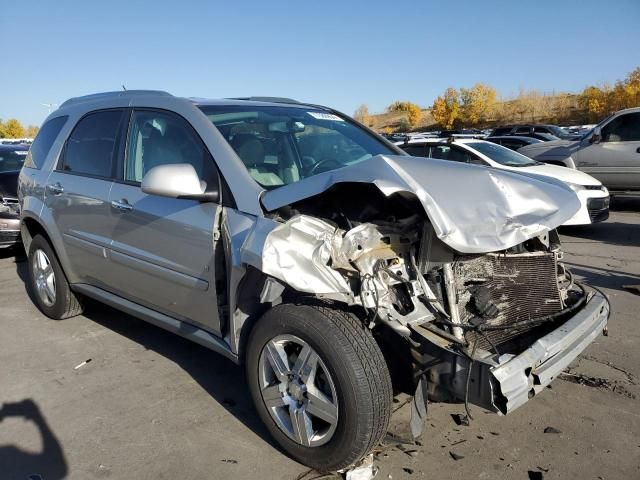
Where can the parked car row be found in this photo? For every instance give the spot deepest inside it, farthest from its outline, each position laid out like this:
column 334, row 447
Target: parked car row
column 594, row 197
column 11, row 161
column 334, row 266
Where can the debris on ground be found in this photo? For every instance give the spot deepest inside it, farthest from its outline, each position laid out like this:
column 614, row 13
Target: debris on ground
column 80, row 365
column 533, row 475
column 596, row 382
column 458, row 442
column 364, row 470
column 551, row 430
column 229, row 460
column 455, row 456
column 460, row 419
column 408, row 470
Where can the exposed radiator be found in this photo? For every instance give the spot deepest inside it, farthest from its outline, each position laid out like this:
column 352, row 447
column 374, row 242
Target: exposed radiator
column 504, row 289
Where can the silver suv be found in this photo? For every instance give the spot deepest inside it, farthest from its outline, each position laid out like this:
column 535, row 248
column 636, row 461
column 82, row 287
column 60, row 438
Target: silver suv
column 610, row 152
column 290, row 238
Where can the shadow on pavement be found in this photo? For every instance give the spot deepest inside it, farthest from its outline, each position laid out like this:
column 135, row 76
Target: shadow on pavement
column 48, row 464
column 599, row 277
column 219, row 377
column 626, row 203
column 612, row 233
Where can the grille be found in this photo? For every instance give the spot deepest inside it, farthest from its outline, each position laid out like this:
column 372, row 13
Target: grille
column 598, row 209
column 504, row 289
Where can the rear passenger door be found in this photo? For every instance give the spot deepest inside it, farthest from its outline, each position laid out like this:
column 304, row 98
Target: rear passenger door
column 163, row 251
column 77, row 192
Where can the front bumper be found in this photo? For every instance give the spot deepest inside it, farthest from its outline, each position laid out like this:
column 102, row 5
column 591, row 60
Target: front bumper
column 9, row 232
column 503, row 383
column 519, row 378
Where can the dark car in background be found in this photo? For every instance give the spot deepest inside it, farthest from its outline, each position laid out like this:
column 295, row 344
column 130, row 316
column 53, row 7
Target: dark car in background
column 11, row 161
column 535, row 131
column 514, row 142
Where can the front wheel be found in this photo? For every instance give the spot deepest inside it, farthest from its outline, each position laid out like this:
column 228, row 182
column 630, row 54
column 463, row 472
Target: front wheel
column 320, row 383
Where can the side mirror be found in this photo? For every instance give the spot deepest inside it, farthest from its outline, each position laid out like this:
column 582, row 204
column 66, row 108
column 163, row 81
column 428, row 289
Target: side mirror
column 596, row 136
column 178, row 180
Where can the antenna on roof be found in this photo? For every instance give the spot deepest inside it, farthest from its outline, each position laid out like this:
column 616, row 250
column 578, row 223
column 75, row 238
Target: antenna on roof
column 124, row 88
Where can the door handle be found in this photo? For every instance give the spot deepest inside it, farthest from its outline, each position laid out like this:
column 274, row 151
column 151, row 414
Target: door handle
column 55, row 188
column 122, row 205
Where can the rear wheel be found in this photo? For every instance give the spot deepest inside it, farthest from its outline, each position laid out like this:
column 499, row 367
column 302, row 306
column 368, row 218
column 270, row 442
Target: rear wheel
column 320, row 383
column 48, row 282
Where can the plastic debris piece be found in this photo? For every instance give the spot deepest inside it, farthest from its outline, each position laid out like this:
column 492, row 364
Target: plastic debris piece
column 455, row 456
column 551, row 430
column 365, row 470
column 80, row 365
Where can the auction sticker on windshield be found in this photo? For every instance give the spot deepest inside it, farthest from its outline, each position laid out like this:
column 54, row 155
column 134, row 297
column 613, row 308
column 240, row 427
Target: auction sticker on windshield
column 325, row 116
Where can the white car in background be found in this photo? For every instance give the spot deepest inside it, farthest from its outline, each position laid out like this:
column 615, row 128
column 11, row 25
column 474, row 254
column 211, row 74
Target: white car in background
column 594, row 197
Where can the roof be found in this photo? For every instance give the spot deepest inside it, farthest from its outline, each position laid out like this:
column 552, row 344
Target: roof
column 131, row 94
column 439, row 140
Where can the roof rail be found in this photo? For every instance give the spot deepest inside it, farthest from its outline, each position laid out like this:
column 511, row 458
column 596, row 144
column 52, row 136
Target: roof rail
column 267, row 99
column 118, row 94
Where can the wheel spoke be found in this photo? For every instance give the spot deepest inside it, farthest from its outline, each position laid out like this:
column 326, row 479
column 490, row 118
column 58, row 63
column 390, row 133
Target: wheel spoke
column 306, row 364
column 272, row 396
column 277, row 358
column 302, row 428
column 41, row 260
column 319, row 405
column 50, row 287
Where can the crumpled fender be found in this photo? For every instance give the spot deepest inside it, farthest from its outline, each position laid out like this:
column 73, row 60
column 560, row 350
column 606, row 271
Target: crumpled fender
column 473, row 209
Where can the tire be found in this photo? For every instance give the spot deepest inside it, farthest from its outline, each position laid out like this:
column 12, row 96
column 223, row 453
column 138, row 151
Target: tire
column 49, row 285
column 350, row 370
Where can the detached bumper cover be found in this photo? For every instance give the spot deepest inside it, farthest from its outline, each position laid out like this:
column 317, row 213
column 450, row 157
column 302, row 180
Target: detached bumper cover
column 528, row 373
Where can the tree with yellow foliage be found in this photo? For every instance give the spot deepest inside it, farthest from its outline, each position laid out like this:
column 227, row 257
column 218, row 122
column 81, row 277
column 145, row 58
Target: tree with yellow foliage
column 362, row 114
column 446, row 108
column 12, row 128
column 414, row 114
column 476, row 103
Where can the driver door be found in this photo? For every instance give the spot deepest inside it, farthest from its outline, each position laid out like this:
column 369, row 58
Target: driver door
column 615, row 161
column 163, row 249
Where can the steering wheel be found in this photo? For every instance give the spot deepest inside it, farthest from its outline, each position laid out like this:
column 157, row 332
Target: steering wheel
column 317, row 168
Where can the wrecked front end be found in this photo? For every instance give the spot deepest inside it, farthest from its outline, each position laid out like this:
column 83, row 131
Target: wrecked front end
column 461, row 314
column 489, row 329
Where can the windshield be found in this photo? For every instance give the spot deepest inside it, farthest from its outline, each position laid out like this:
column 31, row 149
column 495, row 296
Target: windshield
column 283, row 144
column 502, row 155
column 559, row 131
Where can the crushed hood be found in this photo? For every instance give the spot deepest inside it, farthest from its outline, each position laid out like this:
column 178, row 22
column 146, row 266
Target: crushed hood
column 473, row 209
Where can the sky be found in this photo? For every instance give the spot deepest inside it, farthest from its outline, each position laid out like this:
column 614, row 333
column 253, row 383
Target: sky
column 337, row 53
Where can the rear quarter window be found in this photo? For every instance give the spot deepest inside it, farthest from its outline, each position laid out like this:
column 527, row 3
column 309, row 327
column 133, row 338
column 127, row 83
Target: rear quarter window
column 43, row 142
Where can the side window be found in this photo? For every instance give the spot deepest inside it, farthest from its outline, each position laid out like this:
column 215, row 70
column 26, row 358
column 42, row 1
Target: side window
column 541, row 130
column 440, row 152
column 43, row 142
column 415, row 150
column 92, row 145
column 522, row 131
column 163, row 138
column 625, row 128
